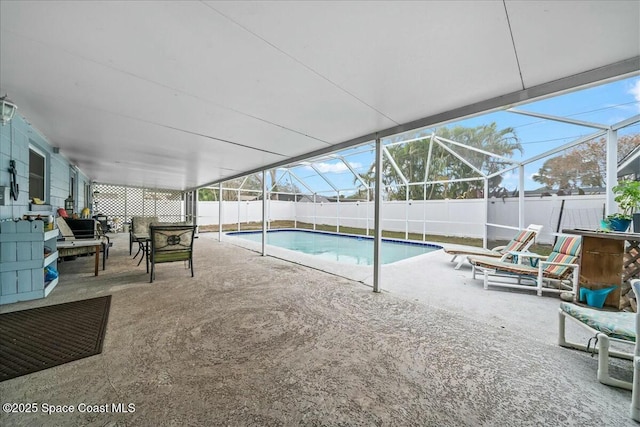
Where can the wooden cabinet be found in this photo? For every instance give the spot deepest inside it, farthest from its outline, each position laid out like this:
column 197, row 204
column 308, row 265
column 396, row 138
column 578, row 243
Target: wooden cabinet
column 608, row 259
column 23, row 260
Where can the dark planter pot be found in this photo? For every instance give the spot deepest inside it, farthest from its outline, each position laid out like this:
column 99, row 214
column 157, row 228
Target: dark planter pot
column 617, row 224
column 636, row 222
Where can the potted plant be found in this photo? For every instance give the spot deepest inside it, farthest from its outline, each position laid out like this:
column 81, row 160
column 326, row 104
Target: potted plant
column 627, row 195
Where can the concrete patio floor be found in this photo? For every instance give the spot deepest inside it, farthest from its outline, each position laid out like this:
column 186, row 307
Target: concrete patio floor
column 255, row 340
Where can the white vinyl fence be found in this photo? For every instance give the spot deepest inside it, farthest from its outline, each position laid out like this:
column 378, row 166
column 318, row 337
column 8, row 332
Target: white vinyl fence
column 464, row 218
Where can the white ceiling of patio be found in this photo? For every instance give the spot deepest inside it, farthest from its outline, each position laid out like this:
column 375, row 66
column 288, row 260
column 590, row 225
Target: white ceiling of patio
column 181, row 94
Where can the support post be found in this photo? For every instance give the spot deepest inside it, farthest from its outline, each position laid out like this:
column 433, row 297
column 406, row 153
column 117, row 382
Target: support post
column 238, row 200
column 406, row 212
column 194, row 213
column 220, row 212
column 264, row 212
column 377, row 220
column 295, row 206
column 424, row 213
column 612, row 171
column 521, row 197
column 366, row 212
column 338, row 212
column 486, row 213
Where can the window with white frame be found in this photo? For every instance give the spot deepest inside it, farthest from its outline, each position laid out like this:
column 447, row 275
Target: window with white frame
column 37, row 174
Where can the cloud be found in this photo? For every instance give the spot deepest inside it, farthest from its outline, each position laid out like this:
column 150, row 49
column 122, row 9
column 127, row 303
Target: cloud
column 338, row 167
column 509, row 176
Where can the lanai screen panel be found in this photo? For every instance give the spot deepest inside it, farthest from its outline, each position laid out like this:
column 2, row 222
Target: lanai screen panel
column 122, row 202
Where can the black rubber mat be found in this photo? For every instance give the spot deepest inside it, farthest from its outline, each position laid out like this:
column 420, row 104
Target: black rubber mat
column 40, row 338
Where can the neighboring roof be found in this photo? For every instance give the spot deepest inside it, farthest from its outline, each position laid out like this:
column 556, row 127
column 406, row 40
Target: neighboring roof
column 172, row 94
column 630, row 164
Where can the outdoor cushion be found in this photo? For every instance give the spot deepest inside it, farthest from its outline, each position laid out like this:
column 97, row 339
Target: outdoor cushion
column 568, row 245
column 619, row 325
column 471, row 250
column 559, row 270
column 504, row 266
column 518, row 242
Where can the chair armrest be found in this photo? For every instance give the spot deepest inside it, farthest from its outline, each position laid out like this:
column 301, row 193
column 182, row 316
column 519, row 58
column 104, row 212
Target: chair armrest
column 560, row 263
column 499, row 248
column 519, row 255
column 541, row 265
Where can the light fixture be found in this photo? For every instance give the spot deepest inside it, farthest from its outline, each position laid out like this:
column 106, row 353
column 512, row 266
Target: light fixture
column 68, row 205
column 7, row 110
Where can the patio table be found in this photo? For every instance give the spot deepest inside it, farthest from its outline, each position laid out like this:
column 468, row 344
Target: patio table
column 608, row 259
column 97, row 243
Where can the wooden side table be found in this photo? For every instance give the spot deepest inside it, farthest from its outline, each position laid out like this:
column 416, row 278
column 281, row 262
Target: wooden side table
column 608, row 259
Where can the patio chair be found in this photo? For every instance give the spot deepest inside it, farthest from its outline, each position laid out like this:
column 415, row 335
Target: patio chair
column 139, row 231
column 560, row 267
column 519, row 243
column 170, row 243
column 606, row 327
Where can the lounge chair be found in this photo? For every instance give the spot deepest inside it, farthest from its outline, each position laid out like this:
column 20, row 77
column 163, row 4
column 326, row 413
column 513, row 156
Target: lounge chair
column 519, row 243
column 560, row 268
column 606, row 327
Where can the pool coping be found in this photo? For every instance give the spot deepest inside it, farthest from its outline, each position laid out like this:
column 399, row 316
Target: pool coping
column 333, row 233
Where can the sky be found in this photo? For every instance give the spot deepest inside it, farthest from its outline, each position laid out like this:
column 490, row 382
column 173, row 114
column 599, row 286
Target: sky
column 605, row 104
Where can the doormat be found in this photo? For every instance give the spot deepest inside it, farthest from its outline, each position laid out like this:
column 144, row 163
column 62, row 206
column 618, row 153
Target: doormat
column 40, row 338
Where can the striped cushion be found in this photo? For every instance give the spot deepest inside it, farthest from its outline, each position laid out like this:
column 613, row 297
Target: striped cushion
column 568, row 245
column 619, row 325
column 519, row 242
column 559, row 271
column 565, row 251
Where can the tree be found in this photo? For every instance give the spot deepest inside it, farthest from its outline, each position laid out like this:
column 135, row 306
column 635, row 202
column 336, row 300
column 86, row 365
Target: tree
column 207, row 195
column 582, row 166
column 412, row 157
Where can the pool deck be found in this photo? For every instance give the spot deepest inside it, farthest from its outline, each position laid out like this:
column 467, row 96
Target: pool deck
column 432, row 280
column 254, row 340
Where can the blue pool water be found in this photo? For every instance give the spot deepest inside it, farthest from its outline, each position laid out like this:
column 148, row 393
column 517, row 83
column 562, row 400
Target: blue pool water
column 339, row 247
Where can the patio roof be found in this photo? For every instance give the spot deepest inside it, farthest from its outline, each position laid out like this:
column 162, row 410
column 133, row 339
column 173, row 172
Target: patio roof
column 183, row 94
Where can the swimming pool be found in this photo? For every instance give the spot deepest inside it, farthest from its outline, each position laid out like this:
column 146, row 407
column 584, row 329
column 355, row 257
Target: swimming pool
column 339, row 247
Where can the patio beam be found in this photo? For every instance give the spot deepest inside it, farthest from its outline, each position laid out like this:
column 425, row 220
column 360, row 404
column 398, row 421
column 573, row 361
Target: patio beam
column 428, row 166
column 324, row 177
column 459, row 157
column 566, row 146
column 355, row 174
column 477, row 150
column 560, row 119
column 505, row 170
column 445, row 181
column 394, row 165
column 300, row 181
column 630, row 121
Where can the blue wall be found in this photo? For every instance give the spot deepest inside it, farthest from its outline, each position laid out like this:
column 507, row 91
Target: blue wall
column 15, row 138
